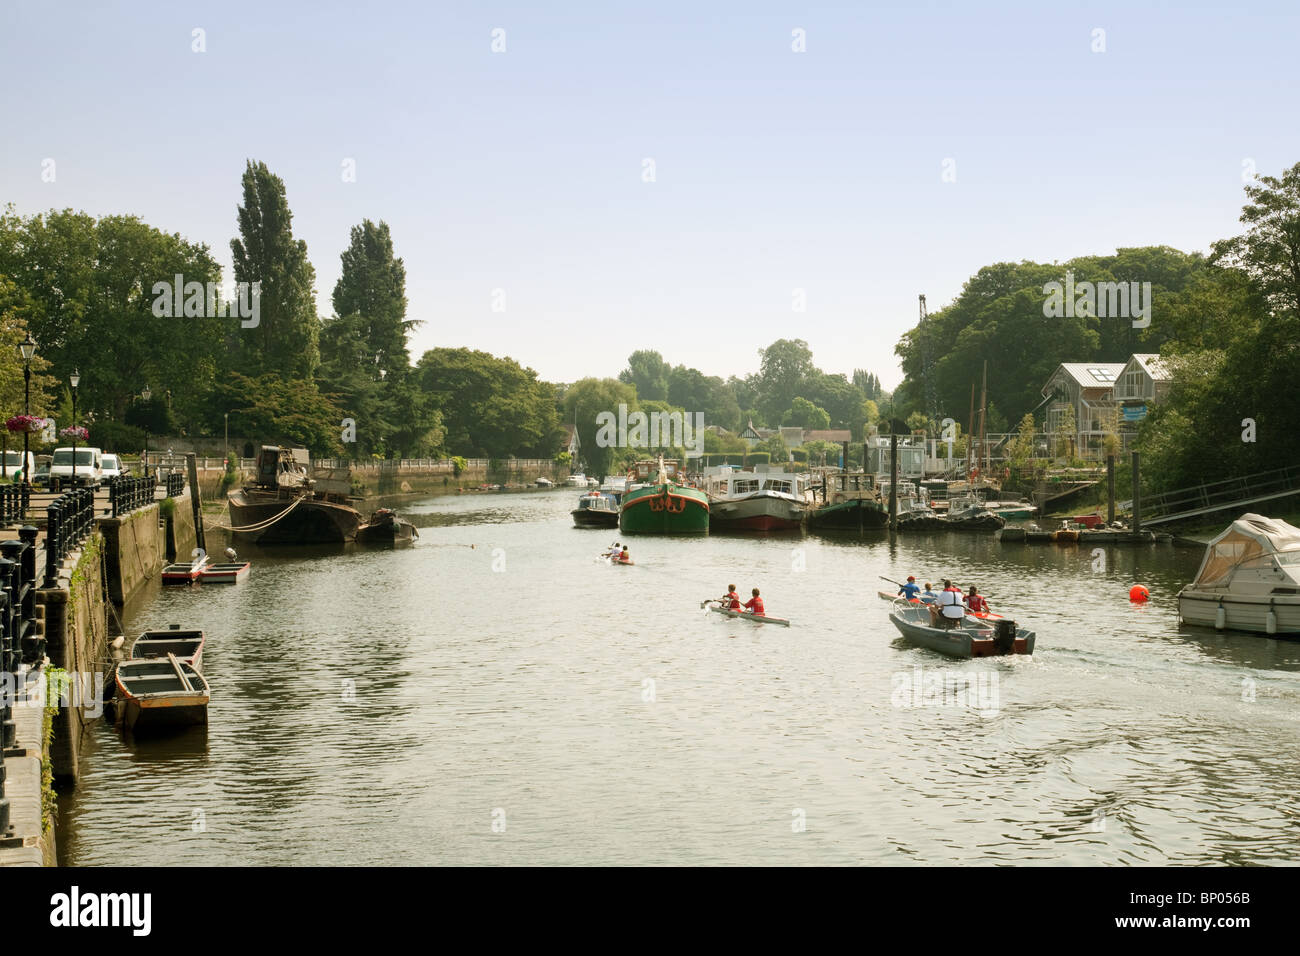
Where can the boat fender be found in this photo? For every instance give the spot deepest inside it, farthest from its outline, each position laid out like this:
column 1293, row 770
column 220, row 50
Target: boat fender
column 1270, row 620
column 1220, row 618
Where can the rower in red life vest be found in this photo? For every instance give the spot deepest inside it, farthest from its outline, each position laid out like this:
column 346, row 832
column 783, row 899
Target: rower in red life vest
column 732, row 601
column 755, row 605
column 624, row 558
column 975, row 602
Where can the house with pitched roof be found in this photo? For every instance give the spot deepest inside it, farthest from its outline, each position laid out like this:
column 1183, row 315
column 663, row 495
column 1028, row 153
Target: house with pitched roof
column 1106, row 398
column 1144, row 380
column 1088, row 389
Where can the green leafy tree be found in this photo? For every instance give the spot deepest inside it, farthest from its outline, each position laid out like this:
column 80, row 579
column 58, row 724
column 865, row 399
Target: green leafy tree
column 775, row 447
column 784, row 366
column 804, row 414
column 286, row 340
column 86, row 288
column 490, row 407
column 583, row 402
column 372, row 287
column 281, row 410
column 649, row 373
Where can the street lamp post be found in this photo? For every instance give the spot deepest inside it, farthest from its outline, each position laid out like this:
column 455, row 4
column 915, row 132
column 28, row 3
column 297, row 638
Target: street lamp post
column 75, row 380
column 145, row 395
column 225, row 455
column 28, row 350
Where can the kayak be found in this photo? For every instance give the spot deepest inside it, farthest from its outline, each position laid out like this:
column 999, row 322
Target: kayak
column 982, row 615
column 727, row 612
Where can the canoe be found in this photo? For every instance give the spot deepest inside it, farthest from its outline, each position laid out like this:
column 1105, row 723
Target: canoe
column 160, row 693
column 187, row 645
column 973, row 638
column 225, row 573
column 756, row 618
column 894, row 596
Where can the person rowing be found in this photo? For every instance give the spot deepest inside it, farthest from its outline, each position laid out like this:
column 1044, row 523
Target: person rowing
column 732, row 601
column 624, row 557
column 911, row 591
column 928, row 596
column 975, row 602
column 612, row 552
column 755, row 605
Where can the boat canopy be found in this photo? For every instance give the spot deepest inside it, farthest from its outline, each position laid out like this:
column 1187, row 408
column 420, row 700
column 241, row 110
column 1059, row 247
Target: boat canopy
column 1251, row 548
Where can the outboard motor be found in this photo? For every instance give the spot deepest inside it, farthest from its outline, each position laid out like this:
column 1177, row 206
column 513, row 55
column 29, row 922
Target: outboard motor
column 1004, row 637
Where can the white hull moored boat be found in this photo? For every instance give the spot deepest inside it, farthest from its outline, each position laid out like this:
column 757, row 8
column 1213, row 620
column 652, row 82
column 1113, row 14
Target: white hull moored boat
column 1249, row 580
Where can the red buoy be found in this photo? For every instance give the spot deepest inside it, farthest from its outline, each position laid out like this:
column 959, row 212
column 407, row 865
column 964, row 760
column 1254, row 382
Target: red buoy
column 1138, row 594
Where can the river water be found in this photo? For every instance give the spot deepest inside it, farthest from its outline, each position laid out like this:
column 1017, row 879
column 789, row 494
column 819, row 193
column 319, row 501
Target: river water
column 495, row 695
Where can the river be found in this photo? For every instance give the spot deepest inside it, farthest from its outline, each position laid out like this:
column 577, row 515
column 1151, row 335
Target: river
column 494, row 695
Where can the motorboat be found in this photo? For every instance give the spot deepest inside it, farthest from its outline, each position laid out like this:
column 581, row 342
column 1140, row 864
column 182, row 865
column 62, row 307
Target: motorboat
column 972, row 638
column 596, row 510
column 1249, row 579
column 757, row 501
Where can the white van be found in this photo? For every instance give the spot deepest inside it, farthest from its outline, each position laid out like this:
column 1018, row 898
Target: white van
column 13, row 465
column 89, row 467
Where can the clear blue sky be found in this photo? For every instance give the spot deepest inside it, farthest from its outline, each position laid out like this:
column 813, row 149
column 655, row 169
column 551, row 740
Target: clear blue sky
column 775, row 170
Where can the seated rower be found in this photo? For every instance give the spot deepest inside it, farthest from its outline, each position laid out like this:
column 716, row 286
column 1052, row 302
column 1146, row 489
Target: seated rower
column 624, row 557
column 975, row 602
column 910, row 590
column 732, row 601
column 755, row 605
column 928, row 596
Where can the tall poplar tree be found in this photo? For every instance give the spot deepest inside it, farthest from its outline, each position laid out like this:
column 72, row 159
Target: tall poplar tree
column 286, row 340
column 372, row 287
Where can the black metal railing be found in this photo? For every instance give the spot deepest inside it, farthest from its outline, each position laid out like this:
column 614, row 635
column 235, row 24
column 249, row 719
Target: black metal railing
column 1219, row 493
column 71, row 517
column 175, row 484
column 14, row 498
column 18, row 641
column 127, row 494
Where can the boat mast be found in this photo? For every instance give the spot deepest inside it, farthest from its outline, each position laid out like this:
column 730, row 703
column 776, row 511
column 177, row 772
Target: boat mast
column 984, row 408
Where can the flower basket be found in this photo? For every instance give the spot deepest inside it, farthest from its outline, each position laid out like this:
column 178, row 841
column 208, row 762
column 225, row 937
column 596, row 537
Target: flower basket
column 26, row 423
column 76, row 431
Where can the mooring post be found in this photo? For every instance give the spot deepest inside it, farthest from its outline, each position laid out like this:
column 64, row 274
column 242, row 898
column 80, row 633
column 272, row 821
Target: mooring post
column 1137, row 495
column 192, row 467
column 893, row 477
column 1110, row 489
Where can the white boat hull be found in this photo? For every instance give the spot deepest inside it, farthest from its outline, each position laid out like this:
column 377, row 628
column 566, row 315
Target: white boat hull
column 760, row 511
column 1241, row 612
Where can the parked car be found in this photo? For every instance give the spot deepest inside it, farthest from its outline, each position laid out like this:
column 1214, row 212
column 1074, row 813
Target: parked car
column 41, row 477
column 88, row 467
column 13, row 465
column 110, row 466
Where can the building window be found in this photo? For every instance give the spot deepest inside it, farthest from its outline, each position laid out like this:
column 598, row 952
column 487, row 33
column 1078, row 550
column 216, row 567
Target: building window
column 1102, row 374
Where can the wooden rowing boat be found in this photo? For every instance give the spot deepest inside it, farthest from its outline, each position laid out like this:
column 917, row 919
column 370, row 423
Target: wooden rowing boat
column 160, row 693
column 182, row 573
column 746, row 615
column 187, row 645
column 225, row 573
column 974, row 638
